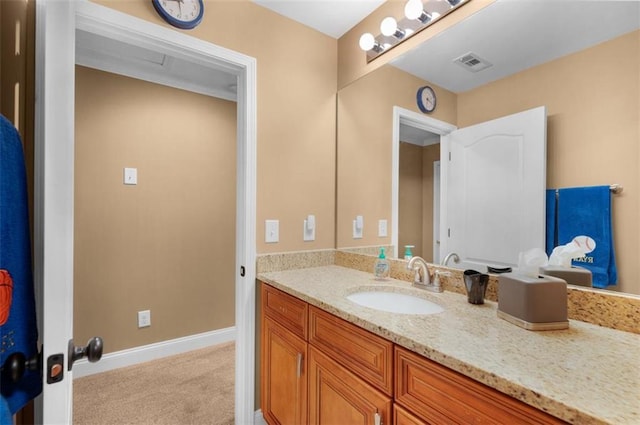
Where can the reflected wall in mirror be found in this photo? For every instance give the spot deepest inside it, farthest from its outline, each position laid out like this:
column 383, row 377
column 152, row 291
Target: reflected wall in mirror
column 593, row 132
column 418, row 192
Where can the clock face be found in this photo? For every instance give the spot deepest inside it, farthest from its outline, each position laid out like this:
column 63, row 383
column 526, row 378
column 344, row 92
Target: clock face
column 426, row 99
column 184, row 14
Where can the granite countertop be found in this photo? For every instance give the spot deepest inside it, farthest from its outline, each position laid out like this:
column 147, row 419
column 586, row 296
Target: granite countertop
column 586, row 374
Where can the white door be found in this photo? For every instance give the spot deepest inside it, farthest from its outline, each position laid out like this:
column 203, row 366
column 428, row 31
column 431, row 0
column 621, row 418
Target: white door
column 56, row 23
column 494, row 202
column 436, row 212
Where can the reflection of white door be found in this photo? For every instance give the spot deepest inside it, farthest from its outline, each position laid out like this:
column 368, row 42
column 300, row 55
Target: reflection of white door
column 494, row 201
column 436, row 212
column 56, row 23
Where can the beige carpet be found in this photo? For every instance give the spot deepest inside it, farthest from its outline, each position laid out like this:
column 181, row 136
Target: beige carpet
column 191, row 388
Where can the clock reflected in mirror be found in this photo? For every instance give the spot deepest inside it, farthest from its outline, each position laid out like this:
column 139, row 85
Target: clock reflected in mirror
column 426, row 99
column 183, row 14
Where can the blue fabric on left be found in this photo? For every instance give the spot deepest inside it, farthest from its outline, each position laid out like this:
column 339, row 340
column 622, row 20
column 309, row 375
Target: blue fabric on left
column 19, row 333
column 5, row 415
column 587, row 211
column 551, row 204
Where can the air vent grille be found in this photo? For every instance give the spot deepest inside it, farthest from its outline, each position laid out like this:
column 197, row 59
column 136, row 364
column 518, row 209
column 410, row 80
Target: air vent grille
column 472, row 62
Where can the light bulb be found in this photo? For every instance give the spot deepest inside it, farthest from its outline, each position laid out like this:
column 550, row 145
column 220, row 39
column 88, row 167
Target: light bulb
column 413, row 9
column 367, row 41
column 388, row 26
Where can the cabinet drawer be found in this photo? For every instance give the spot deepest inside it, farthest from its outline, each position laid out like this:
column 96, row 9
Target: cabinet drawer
column 440, row 395
column 367, row 355
column 288, row 311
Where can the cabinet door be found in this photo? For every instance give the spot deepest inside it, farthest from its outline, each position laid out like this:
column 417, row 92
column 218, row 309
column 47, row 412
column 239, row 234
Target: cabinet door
column 284, row 376
column 404, row 417
column 337, row 396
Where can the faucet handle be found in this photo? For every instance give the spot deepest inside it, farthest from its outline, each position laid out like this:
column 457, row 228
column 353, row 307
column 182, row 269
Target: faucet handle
column 416, row 275
column 438, row 274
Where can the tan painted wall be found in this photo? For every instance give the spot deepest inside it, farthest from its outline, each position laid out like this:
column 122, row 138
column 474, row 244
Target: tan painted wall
column 593, row 128
column 352, row 62
column 296, row 112
column 168, row 243
column 415, row 199
column 430, row 154
column 410, row 199
column 365, row 125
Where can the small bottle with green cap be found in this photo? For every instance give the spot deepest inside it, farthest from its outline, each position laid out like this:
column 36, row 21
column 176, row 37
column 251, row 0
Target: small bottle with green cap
column 382, row 266
column 407, row 252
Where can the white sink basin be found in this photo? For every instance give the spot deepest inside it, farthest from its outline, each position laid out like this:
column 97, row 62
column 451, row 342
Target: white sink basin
column 394, row 302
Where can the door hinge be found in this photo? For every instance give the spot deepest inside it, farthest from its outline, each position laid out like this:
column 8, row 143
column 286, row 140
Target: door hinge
column 242, row 271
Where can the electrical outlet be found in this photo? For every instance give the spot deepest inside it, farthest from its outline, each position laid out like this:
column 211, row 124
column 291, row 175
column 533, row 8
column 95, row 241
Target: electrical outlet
column 144, row 319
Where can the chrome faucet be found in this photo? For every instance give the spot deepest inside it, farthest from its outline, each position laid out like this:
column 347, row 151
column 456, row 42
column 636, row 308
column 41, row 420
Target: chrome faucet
column 422, row 279
column 456, row 258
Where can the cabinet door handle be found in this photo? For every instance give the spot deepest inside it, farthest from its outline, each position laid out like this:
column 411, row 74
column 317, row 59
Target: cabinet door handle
column 377, row 419
column 299, row 365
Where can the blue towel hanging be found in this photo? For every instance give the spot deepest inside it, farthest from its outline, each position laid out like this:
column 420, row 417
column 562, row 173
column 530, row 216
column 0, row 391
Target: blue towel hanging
column 587, row 211
column 18, row 329
column 551, row 216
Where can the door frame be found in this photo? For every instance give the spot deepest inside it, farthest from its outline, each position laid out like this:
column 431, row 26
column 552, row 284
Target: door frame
column 56, row 22
column 416, row 120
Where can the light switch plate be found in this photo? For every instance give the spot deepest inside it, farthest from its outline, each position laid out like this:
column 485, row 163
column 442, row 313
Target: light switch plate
column 309, row 228
column 382, row 228
column 271, row 231
column 358, row 226
column 130, row 176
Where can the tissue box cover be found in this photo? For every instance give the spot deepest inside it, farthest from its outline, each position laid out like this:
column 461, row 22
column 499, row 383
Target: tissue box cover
column 534, row 303
column 573, row 275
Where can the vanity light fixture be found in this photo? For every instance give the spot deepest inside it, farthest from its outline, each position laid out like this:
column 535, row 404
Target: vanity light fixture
column 416, row 19
column 414, row 10
column 389, row 27
column 368, row 42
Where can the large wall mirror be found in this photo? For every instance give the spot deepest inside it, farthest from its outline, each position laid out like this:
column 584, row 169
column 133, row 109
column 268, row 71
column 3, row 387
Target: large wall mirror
column 581, row 60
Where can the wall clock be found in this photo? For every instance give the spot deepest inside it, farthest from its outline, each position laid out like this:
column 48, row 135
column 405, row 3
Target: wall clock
column 426, row 99
column 183, row 14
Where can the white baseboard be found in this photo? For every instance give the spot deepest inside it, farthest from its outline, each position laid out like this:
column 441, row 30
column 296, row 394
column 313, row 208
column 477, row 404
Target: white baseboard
column 258, row 418
column 158, row 350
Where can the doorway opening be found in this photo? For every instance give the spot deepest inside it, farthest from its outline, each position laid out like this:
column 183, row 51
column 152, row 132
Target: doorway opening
column 416, row 183
column 57, row 23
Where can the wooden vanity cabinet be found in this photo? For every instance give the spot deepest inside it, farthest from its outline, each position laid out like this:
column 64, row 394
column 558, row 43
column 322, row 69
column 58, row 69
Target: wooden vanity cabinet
column 319, row 369
column 283, row 391
column 440, row 395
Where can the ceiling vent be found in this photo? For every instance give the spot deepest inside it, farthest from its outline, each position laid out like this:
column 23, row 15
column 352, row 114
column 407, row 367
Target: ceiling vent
column 472, row 62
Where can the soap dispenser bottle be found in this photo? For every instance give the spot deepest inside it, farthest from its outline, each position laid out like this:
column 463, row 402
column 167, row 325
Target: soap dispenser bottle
column 382, row 267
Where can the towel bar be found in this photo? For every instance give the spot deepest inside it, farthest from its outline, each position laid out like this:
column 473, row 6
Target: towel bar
column 616, row 188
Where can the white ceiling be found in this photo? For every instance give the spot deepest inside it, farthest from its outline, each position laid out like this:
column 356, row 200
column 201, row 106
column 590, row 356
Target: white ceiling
column 515, row 35
column 331, row 17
